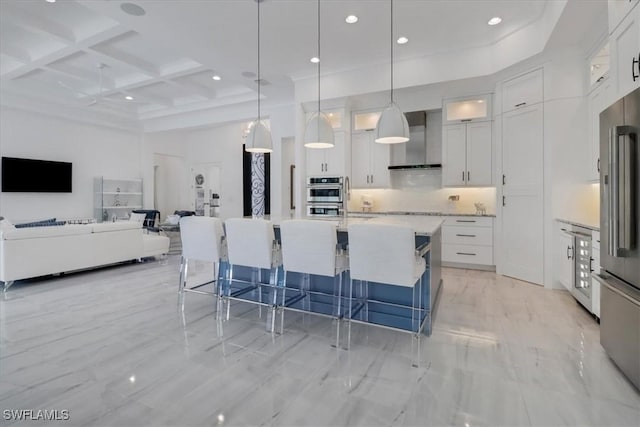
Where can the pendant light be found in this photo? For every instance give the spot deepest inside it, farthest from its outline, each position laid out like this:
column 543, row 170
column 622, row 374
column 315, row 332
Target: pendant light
column 259, row 138
column 392, row 127
column 319, row 133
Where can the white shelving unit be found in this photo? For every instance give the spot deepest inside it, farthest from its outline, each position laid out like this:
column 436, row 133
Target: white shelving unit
column 116, row 198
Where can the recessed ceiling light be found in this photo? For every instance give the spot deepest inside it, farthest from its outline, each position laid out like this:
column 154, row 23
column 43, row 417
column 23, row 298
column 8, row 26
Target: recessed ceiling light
column 216, row 77
column 351, row 19
column 480, row 101
column 132, row 9
column 403, row 40
column 495, row 20
column 315, row 60
column 50, row 1
column 129, row 98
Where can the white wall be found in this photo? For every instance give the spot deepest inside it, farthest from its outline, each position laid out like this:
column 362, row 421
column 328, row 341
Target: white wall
column 93, row 150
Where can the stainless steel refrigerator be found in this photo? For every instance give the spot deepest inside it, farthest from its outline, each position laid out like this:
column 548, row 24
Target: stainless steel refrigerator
column 620, row 234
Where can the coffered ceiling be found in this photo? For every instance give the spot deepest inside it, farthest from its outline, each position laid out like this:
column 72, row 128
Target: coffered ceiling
column 165, row 59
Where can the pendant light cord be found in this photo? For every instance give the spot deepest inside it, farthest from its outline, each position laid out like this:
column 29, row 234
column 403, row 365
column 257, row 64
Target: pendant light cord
column 391, row 39
column 318, row 61
column 259, row 82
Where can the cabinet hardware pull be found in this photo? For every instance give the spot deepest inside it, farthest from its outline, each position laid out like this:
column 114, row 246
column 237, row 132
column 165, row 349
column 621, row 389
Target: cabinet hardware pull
column 367, row 179
column 465, row 220
column 466, row 235
column 521, row 104
column 465, row 120
column 372, row 179
column 468, row 176
column 635, row 61
column 462, row 176
column 568, row 256
column 504, row 201
column 465, row 253
column 598, row 164
column 504, row 179
column 590, row 265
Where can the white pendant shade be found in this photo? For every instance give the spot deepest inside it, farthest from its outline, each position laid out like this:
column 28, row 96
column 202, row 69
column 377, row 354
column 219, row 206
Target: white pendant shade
column 392, row 126
column 319, row 133
column 259, row 138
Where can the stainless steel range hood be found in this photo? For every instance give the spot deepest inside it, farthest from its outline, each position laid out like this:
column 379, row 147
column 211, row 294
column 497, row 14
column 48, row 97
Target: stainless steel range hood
column 423, row 150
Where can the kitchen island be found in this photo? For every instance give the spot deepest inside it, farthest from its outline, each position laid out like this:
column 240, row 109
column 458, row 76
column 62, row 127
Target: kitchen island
column 385, row 305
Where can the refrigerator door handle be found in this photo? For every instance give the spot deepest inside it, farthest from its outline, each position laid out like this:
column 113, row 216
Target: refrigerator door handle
column 621, row 203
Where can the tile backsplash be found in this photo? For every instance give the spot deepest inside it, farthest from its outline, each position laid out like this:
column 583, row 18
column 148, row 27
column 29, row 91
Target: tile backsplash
column 421, row 191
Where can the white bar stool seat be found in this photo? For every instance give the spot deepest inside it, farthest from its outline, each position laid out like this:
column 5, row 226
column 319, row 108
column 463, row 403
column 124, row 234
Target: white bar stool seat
column 386, row 253
column 311, row 247
column 202, row 240
column 252, row 243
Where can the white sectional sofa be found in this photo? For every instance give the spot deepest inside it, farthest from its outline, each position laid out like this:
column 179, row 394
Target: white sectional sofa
column 39, row 251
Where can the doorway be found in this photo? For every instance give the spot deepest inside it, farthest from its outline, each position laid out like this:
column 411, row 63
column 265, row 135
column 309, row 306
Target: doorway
column 169, row 179
column 206, row 189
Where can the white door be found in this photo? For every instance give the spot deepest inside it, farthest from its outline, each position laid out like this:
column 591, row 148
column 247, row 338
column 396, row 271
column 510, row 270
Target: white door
column 335, row 156
column 479, row 154
column 454, row 163
column 624, row 45
column 564, row 260
column 598, row 101
column 315, row 161
column 170, row 184
column 522, row 204
column 380, row 159
column 361, row 159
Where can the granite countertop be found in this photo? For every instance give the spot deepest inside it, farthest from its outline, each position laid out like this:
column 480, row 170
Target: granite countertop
column 422, row 225
column 579, row 224
column 432, row 213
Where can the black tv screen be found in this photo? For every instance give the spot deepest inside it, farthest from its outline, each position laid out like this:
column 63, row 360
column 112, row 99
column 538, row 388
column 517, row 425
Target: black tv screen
column 35, row 176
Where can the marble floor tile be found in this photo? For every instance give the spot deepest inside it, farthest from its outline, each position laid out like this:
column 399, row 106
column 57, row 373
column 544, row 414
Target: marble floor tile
column 115, row 348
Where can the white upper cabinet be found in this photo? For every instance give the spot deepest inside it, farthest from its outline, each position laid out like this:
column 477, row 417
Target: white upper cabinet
column 624, row 45
column 467, row 109
column 363, row 121
column 599, row 99
column 336, row 118
column 369, row 161
column 327, row 161
column 618, row 10
column 467, row 155
column 454, row 155
column 522, row 91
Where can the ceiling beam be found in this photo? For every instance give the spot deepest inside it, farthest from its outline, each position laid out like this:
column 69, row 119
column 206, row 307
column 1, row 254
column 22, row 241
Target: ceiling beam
column 195, row 88
column 65, row 52
column 80, row 74
column 109, row 53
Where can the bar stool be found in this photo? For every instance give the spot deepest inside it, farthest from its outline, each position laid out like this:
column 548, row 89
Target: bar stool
column 386, row 253
column 202, row 240
column 311, row 247
column 252, row 243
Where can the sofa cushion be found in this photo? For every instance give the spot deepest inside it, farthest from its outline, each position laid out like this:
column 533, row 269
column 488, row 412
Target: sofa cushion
column 40, row 232
column 155, row 245
column 104, row 227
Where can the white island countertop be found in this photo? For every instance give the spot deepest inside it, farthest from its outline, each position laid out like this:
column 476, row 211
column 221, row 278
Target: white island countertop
column 423, row 225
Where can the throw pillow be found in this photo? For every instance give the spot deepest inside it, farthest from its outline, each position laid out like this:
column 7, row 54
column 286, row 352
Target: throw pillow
column 137, row 217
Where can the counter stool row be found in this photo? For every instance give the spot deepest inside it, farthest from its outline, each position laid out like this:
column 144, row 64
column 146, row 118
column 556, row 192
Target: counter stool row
column 380, row 253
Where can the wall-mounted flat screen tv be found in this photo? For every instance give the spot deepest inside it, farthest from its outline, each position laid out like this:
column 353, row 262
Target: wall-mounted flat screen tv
column 35, row 176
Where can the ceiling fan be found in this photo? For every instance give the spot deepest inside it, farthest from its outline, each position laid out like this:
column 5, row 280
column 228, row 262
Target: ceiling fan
column 99, row 98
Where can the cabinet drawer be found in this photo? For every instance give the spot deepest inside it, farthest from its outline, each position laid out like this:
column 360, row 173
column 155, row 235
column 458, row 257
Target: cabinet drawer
column 469, row 221
column 482, row 236
column 467, row 254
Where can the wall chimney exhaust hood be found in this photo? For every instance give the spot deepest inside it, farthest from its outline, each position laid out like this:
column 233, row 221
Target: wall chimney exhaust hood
column 423, row 150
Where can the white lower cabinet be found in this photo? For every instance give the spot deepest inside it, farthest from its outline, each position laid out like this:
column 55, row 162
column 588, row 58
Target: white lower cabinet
column 564, row 259
column 468, row 240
